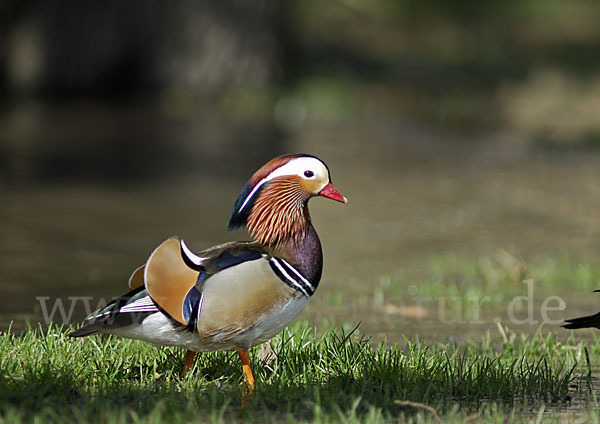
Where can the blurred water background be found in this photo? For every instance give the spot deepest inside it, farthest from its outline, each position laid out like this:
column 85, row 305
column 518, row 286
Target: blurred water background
column 462, row 133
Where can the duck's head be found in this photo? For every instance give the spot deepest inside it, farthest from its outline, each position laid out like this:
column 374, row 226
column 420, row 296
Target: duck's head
column 273, row 202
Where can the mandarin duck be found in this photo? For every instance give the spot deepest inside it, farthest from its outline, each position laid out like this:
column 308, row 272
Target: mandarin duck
column 239, row 294
column 590, row 321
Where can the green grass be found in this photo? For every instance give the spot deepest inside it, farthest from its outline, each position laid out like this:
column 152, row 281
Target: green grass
column 498, row 278
column 337, row 376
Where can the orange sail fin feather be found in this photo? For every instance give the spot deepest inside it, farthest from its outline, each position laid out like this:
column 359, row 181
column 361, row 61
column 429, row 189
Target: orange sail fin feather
column 137, row 278
column 169, row 279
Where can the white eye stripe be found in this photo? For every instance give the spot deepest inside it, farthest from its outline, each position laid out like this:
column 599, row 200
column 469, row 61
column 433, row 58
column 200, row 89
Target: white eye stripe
column 294, row 167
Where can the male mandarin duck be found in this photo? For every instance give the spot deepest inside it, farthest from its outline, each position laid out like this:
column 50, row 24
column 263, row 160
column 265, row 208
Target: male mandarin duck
column 590, row 321
column 236, row 295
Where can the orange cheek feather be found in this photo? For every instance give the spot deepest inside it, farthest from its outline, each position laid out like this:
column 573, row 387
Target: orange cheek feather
column 310, row 187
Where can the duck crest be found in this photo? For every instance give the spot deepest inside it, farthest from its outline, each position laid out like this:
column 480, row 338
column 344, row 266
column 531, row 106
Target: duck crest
column 242, row 207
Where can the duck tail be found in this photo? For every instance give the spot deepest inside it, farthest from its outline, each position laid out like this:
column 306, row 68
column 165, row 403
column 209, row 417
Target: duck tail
column 86, row 330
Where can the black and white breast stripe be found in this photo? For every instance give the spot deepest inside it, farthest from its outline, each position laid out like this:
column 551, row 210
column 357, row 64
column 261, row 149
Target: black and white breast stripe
column 291, row 276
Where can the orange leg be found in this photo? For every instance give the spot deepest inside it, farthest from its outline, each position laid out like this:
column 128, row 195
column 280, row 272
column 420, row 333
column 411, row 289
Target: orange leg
column 189, row 361
column 245, row 358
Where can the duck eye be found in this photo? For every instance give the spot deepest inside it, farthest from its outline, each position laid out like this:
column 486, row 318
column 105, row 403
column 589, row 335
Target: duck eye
column 309, row 174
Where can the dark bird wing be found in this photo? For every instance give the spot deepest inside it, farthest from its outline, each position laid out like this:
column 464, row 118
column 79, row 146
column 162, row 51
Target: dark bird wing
column 591, row 321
